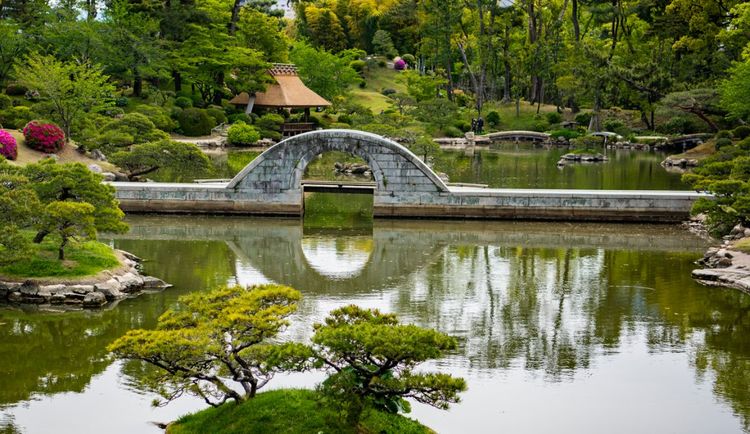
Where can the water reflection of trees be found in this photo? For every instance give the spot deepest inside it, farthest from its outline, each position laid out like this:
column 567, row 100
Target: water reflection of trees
column 557, row 310
column 47, row 353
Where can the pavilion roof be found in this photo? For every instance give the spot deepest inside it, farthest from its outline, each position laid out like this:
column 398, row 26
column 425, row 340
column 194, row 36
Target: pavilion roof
column 287, row 91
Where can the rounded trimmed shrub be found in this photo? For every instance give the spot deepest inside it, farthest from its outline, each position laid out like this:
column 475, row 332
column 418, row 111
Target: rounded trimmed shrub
column 241, row 133
column 583, row 118
column 399, row 64
column 358, row 65
column 741, row 132
column 723, row 142
column 409, row 59
column 493, row 118
column 388, row 91
column 195, row 122
column 8, row 147
column 5, row 102
column 218, row 114
column 452, row 132
column 16, row 117
column 122, row 101
column 724, row 134
column 183, row 102
column 240, row 117
column 553, row 117
column 47, row 138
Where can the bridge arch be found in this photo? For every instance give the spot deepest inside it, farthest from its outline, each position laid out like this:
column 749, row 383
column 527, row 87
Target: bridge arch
column 279, row 170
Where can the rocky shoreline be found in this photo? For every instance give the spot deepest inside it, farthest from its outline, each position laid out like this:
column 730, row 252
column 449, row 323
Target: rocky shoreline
column 91, row 292
column 725, row 266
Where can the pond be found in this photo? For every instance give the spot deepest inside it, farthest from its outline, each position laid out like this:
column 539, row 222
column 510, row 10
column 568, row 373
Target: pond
column 571, row 328
column 503, row 166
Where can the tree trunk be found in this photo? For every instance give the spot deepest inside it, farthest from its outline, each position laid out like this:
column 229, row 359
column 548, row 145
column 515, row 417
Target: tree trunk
column 576, row 26
column 61, row 249
column 706, row 119
column 218, row 94
column 235, row 17
column 40, row 236
column 137, row 83
column 177, row 77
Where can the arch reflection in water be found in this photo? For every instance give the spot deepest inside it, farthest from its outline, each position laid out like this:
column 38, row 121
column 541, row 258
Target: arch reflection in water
column 336, row 257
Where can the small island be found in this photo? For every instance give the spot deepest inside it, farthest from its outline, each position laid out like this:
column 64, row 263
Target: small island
column 54, row 211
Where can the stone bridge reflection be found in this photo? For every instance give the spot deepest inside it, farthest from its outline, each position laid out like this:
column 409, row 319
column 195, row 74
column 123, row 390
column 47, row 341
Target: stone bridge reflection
column 280, row 249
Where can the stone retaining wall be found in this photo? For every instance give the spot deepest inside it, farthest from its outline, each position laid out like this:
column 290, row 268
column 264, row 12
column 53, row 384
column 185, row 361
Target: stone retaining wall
column 112, row 286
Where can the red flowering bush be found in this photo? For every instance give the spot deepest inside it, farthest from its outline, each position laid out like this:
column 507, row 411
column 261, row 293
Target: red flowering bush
column 8, row 148
column 47, row 138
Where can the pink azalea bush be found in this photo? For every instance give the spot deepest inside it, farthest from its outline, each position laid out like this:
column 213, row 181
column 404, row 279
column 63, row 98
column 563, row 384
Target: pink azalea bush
column 399, row 64
column 8, row 148
column 47, row 138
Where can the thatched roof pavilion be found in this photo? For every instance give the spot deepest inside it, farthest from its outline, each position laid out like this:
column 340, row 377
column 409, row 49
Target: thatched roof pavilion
column 288, row 92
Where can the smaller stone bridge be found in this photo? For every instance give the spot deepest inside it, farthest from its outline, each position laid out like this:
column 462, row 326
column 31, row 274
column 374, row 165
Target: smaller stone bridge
column 517, row 136
column 404, row 187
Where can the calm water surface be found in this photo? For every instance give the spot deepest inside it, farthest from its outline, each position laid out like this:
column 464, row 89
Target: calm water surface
column 504, row 166
column 571, row 328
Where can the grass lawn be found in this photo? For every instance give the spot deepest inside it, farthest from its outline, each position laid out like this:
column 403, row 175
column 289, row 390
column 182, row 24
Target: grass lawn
column 290, row 411
column 81, row 259
column 700, row 152
column 743, row 245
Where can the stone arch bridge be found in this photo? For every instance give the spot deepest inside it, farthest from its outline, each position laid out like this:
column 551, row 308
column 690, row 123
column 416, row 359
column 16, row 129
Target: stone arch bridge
column 404, row 187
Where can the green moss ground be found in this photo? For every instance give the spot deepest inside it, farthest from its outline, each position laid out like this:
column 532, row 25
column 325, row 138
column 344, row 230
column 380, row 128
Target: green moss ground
column 292, row 411
column 81, row 259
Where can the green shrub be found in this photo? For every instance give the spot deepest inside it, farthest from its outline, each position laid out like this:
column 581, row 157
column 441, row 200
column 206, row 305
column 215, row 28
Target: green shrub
column 218, row 114
column 723, row 142
column 345, row 119
column 451, row 131
column 388, row 91
column 724, row 134
column 5, row 102
column 16, row 90
column 358, row 65
column 462, row 125
column 409, row 59
column 583, row 118
column 744, row 144
column 568, row 134
column 340, row 126
column 741, row 132
column 677, row 125
column 195, row 122
column 493, row 118
column 240, row 117
column 121, row 101
column 183, row 102
column 16, row 117
column 382, row 63
column 159, row 116
column 270, row 122
column 553, row 117
column 362, row 84
column 241, row 133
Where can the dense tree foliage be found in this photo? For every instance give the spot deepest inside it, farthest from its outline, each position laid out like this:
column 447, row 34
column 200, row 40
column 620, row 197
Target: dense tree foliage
column 374, row 359
column 66, row 200
column 215, row 339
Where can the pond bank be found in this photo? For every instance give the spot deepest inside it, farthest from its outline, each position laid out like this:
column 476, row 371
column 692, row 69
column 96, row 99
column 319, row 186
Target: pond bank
column 726, row 265
column 88, row 292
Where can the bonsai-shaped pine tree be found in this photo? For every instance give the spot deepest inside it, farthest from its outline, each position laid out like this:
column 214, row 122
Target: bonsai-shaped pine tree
column 215, row 339
column 374, row 357
column 69, row 220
